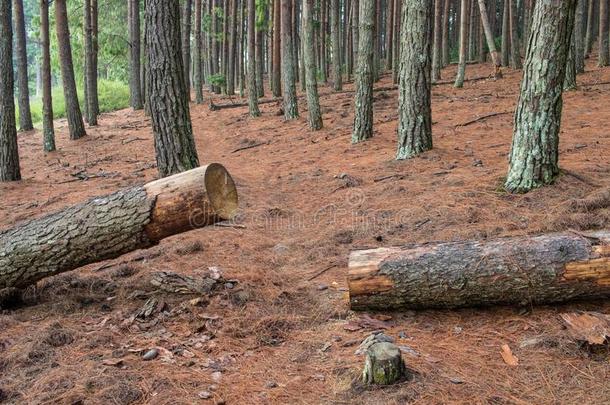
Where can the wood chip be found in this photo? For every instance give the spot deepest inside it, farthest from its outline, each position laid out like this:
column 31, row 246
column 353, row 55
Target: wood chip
column 591, row 327
column 508, row 356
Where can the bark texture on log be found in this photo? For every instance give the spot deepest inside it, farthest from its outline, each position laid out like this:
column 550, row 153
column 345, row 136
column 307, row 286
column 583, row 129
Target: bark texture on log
column 520, row 270
column 107, row 227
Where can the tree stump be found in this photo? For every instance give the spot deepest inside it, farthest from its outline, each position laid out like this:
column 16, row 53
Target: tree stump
column 383, row 364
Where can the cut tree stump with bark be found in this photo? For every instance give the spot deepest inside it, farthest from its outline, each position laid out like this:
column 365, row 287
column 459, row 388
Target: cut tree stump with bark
column 109, row 226
column 383, row 364
column 519, row 270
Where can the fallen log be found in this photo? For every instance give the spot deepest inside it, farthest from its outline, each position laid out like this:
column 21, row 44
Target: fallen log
column 107, row 227
column 519, row 270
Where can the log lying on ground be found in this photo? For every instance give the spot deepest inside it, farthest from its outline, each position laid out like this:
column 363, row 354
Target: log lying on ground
column 521, row 270
column 107, row 227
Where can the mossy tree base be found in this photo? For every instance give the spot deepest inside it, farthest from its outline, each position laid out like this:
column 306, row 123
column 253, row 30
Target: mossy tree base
column 383, row 365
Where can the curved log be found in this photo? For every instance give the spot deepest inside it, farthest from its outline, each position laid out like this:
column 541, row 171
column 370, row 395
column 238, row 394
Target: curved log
column 109, row 226
column 520, row 270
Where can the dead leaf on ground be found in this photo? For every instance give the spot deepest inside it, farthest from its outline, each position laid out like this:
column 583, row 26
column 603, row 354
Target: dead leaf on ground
column 591, row 327
column 508, row 356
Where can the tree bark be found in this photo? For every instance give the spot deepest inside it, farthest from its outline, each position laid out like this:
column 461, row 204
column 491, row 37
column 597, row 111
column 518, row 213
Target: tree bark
column 389, row 34
column 414, row 86
column 168, row 94
column 109, row 226
column 232, row 48
column 92, row 98
column 198, row 74
column 90, row 74
column 590, row 34
column 515, row 55
column 135, row 87
column 186, row 45
column 323, row 47
column 311, row 83
column 506, row 34
column 383, row 364
column 259, row 58
column 73, row 112
column 355, row 31
column 520, row 271
column 446, row 33
column 9, row 153
column 23, row 92
column 291, row 110
column 335, row 37
column 535, row 147
column 252, row 87
column 363, row 115
column 396, row 19
column 604, row 56
column 48, row 132
column 491, row 45
column 437, row 43
column 579, row 36
column 464, row 30
column 569, row 81
column 277, row 58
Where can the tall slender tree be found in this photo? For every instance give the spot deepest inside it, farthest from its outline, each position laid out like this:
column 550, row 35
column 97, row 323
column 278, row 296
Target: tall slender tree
column 515, row 55
column 135, row 88
column 313, row 102
column 186, row 44
column 464, row 30
column 291, row 110
column 90, row 74
column 389, row 34
column 25, row 116
column 232, row 48
column 167, row 91
column 93, row 97
column 438, row 39
column 604, row 55
column 252, row 87
column 277, row 58
column 590, row 22
column 198, row 73
column 579, row 36
column 9, row 153
column 48, row 131
column 506, row 33
column 260, row 57
column 363, row 115
column 535, row 148
column 414, row 86
column 446, row 32
column 495, row 58
column 73, row 112
column 335, row 36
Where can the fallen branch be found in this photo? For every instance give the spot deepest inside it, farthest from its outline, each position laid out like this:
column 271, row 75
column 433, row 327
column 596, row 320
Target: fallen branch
column 483, row 117
column 256, row 145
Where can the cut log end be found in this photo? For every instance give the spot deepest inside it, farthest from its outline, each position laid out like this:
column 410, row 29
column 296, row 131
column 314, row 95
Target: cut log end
column 383, row 365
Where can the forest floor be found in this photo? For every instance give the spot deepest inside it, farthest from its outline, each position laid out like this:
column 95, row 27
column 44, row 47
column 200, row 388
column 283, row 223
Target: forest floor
column 283, row 335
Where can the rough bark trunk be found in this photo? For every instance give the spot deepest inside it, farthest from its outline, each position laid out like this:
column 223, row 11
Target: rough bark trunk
column 73, row 112
column 323, row 47
column 291, row 110
column 198, row 74
column 535, row 148
column 491, row 45
column 107, row 227
column 89, row 66
column 506, row 34
column 389, row 33
column 311, row 83
column 414, row 88
column 277, row 58
column 21, row 56
column 515, row 55
column 579, row 36
column 9, row 154
column 396, row 19
column 446, row 33
column 464, row 29
column 48, row 132
column 335, row 37
column 363, row 115
column 521, row 270
column 604, row 56
column 186, row 45
column 232, row 48
column 168, row 94
column 135, row 87
column 437, row 43
column 355, row 31
column 92, row 98
column 569, row 80
column 258, row 57
column 589, row 35
column 252, row 87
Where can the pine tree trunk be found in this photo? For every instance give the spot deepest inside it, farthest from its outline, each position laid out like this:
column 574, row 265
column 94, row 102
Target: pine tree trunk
column 363, row 115
column 438, row 38
column 506, row 34
column 604, row 56
column 93, row 99
column 389, row 26
column 198, row 75
column 186, row 45
column 291, row 110
column 355, row 31
column 446, row 33
column 589, row 35
column 89, row 66
column 73, row 113
column 491, row 45
column 464, row 29
column 135, row 87
column 323, row 30
column 9, row 154
column 252, row 87
column 471, row 32
column 396, row 19
column 335, row 38
column 21, row 56
column 171, row 121
column 569, row 81
column 48, row 132
column 259, row 61
column 377, row 41
column 414, row 86
column 515, row 56
column 311, row 83
column 232, row 47
column 349, row 43
column 277, row 55
column 535, row 148
column 579, row 36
